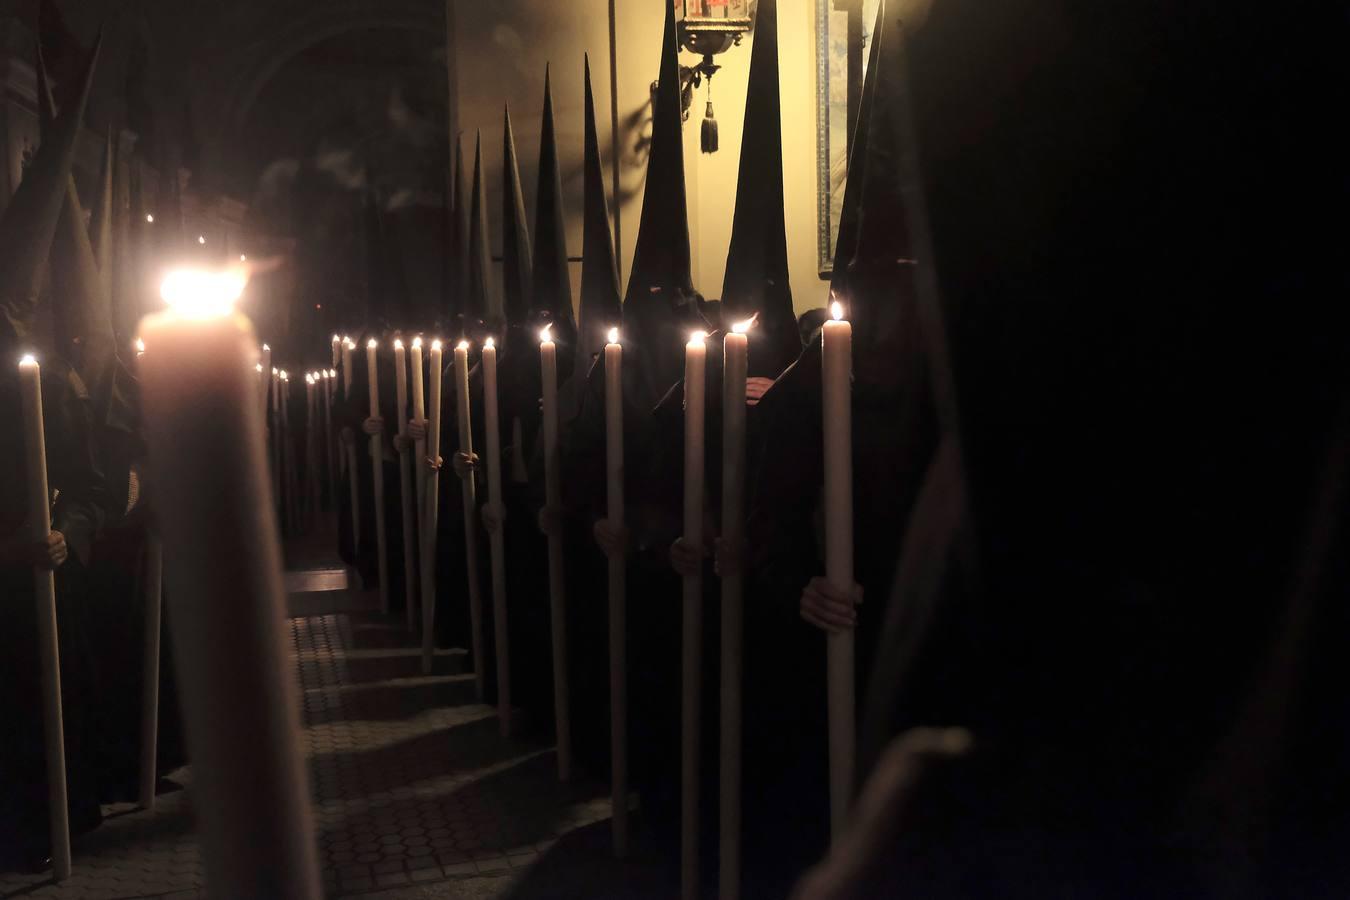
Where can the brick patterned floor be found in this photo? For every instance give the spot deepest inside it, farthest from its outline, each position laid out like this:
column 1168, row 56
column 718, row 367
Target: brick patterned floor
column 412, row 783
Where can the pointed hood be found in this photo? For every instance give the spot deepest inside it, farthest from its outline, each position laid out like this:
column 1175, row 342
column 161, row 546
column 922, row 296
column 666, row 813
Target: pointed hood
column 480, row 301
column 880, row 280
column 517, row 260
column 101, row 220
column 600, row 309
column 128, row 281
column 457, row 287
column 846, row 243
column 659, row 307
column 552, row 279
column 29, row 221
column 757, row 260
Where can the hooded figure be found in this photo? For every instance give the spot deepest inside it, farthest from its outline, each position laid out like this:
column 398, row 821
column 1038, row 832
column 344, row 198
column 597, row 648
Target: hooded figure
column 600, row 306
column 480, row 301
column 660, row 307
column 756, row 281
column 26, row 231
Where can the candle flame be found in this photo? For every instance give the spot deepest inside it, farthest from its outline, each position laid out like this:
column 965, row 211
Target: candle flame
column 417, row 342
column 336, row 339
column 149, row 217
column 743, row 327
column 332, row 373
column 613, row 336
column 837, row 310
column 544, row 336
column 462, row 345
column 201, row 239
column 346, row 339
column 436, row 346
column 28, row 359
column 243, row 257
column 265, row 347
column 275, row 372
column 372, row 344
column 698, row 337
column 258, row 367
column 398, row 343
column 489, row 344
column 199, row 294
column 309, row 379
column 285, row 376
column 140, row 346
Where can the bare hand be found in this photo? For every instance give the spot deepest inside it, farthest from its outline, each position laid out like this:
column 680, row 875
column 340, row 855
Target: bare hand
column 829, row 609
column 434, row 464
column 373, row 426
column 550, row 521
column 465, row 464
column 727, row 559
column 687, row 558
column 613, row 539
column 755, row 389
column 51, row 553
column 402, row 443
column 417, row 429
column 493, row 518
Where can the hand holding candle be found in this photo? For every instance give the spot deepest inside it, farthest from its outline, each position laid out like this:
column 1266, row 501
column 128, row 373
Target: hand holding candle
column 557, row 585
column 468, row 491
column 405, row 483
column 495, row 512
column 618, row 599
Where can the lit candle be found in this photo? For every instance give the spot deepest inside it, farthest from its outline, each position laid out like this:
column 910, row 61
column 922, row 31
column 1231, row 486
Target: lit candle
column 695, row 392
column 431, row 499
column 426, row 526
column 275, row 432
column 265, row 366
column 140, row 348
column 328, row 436
column 44, row 592
column 405, row 483
column 557, row 583
column 618, row 657
column 288, row 454
column 377, row 469
column 469, row 492
column 337, row 349
column 222, row 567
column 496, row 545
column 735, row 351
column 311, row 447
column 348, row 346
column 837, row 428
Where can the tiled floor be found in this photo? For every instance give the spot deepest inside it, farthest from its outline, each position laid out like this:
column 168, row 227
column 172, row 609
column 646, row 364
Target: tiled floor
column 413, row 786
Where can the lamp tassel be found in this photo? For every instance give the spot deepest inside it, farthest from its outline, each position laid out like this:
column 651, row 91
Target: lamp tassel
column 709, row 130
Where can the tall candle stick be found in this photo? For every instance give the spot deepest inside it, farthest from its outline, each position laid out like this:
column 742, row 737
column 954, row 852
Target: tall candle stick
column 469, row 492
column 431, row 518
column 348, row 346
column 312, row 429
column 735, row 347
column 377, row 468
column 265, row 367
column 275, row 433
column 44, row 593
column 349, row 448
column 337, row 350
column 154, row 594
column 405, row 484
column 288, row 455
column 557, row 582
column 426, row 528
column 837, row 356
column 222, row 568
column 329, row 466
column 695, row 391
column 496, row 545
column 618, row 599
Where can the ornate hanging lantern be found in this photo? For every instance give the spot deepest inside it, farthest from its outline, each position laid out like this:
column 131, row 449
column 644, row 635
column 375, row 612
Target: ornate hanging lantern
column 709, row 27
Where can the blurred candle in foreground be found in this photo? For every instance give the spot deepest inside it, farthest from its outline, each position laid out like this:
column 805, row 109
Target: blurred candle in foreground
column 377, row 470
column 691, row 669
column 222, row 569
column 837, row 429
column 44, row 593
column 557, row 581
column 469, row 492
column 735, row 349
column 337, row 349
column 348, row 347
column 266, row 366
column 618, row 598
column 496, row 543
column 405, row 483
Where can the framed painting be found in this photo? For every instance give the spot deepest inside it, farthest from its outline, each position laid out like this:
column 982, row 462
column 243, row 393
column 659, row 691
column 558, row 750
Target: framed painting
column 843, row 35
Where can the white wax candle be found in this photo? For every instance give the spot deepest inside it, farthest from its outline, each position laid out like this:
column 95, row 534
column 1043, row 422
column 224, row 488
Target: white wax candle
column 329, row 466
column 337, row 349
column 557, row 582
column 406, row 505
column 266, row 366
column 695, row 393
column 618, row 601
column 222, row 568
column 432, row 502
column 469, row 492
column 420, row 454
column 348, row 346
column 837, row 429
column 735, row 351
column 377, row 470
column 44, row 593
column 496, row 542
